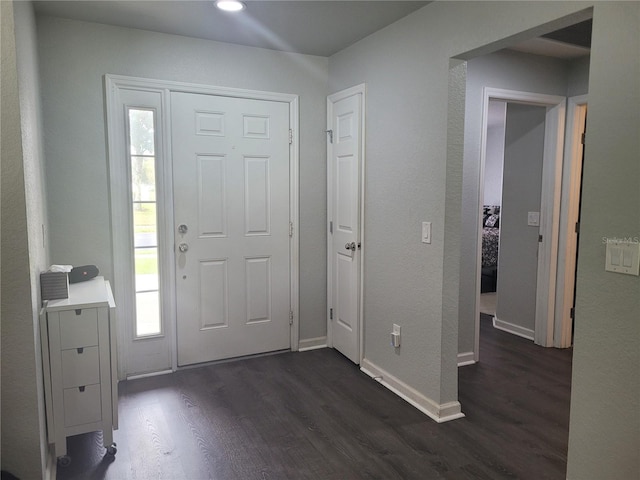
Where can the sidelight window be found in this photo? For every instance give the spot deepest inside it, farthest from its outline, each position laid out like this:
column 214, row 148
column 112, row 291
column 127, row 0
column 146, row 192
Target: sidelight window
column 142, row 161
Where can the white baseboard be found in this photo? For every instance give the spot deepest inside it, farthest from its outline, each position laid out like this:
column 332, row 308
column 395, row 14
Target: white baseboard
column 51, row 468
column 312, row 344
column 514, row 329
column 466, row 358
column 439, row 412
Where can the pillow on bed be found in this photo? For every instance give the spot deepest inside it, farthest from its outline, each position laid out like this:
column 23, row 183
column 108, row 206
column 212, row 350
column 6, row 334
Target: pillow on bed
column 492, row 221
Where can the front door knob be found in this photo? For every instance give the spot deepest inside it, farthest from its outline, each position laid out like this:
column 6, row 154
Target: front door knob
column 183, row 247
column 182, row 229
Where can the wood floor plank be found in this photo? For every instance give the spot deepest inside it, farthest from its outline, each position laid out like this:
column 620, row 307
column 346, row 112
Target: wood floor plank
column 314, row 415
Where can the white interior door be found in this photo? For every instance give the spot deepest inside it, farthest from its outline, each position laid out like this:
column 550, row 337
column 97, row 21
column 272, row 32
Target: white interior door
column 344, row 118
column 232, row 240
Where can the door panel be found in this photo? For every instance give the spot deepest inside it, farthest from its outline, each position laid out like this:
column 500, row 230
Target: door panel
column 231, row 190
column 344, row 155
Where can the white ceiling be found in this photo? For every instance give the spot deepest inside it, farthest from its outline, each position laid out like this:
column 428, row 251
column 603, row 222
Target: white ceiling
column 311, row 27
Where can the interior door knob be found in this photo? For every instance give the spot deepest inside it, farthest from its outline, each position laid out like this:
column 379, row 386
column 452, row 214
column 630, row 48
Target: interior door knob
column 350, row 246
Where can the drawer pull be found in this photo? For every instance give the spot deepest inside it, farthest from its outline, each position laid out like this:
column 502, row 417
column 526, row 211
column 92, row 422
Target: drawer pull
column 80, row 350
column 81, row 389
column 78, row 311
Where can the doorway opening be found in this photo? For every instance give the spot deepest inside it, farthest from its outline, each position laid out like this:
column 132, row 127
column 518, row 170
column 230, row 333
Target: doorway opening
column 507, row 71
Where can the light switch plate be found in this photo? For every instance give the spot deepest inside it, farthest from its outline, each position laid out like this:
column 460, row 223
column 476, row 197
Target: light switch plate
column 623, row 257
column 426, row 232
column 533, row 219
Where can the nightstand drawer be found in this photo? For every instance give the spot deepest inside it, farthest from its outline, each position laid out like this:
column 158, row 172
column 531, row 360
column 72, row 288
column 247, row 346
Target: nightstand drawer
column 82, row 405
column 80, row 366
column 78, row 330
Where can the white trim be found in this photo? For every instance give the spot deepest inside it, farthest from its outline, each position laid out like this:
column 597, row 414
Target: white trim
column 121, row 230
column 121, row 95
column 312, row 344
column 147, row 375
column 51, row 463
column 549, row 221
column 569, row 211
column 438, row 412
column 360, row 89
column 466, row 358
column 514, row 329
column 294, row 216
column 549, row 208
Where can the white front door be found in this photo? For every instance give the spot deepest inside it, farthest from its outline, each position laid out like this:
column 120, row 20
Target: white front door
column 344, row 152
column 231, row 211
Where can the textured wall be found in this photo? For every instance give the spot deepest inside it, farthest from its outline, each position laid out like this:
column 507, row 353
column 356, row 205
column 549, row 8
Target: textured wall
column 23, row 251
column 604, row 433
column 74, row 58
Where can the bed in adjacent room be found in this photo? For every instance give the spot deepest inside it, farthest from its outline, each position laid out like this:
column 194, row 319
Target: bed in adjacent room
column 490, row 243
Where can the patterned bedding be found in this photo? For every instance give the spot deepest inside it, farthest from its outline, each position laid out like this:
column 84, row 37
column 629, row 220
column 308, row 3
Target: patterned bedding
column 490, row 237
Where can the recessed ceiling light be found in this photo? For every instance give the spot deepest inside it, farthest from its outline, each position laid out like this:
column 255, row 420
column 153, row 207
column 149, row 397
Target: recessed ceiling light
column 230, row 5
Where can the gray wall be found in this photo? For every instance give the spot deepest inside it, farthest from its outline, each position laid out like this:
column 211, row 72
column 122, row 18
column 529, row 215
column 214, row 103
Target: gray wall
column 494, row 156
column 522, row 187
column 578, row 79
column 74, row 58
column 512, row 71
column 604, row 432
column 406, row 68
column 24, row 253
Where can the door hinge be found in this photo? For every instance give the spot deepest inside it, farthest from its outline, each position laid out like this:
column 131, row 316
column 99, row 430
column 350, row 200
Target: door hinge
column 330, row 132
column 331, row 314
column 583, row 138
column 577, row 227
column 290, row 136
column 331, row 226
column 290, row 317
column 291, row 229
column 572, row 313
column 539, row 238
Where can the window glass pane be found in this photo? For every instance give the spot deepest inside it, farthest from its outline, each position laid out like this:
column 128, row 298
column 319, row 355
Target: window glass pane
column 143, row 179
column 141, row 133
column 145, row 233
column 146, row 260
column 143, row 193
column 147, row 314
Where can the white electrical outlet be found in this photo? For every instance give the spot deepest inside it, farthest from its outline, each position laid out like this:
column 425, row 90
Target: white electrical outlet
column 426, row 232
column 395, row 336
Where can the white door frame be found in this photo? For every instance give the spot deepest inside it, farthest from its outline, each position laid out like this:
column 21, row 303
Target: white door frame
column 549, row 207
column 331, row 99
column 120, row 223
column 569, row 210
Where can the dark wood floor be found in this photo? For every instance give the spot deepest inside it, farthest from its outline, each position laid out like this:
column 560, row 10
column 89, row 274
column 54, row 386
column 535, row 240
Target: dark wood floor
column 314, row 415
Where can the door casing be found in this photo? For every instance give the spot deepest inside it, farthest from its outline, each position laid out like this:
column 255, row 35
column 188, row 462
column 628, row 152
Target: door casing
column 570, row 207
column 120, row 224
column 331, row 99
